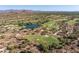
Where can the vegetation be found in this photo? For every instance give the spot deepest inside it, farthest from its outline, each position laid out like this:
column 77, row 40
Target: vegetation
column 37, row 32
column 45, row 41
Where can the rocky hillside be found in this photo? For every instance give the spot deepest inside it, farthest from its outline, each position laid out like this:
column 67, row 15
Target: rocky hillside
column 22, row 32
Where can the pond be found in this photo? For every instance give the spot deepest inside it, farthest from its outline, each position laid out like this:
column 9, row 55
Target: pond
column 31, row 25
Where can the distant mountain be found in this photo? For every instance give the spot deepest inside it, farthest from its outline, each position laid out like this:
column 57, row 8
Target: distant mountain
column 16, row 11
column 33, row 11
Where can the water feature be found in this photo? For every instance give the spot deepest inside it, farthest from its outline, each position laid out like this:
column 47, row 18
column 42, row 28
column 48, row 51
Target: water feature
column 31, row 25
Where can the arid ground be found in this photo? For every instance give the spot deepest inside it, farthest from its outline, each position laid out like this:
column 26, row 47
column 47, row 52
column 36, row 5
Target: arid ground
column 25, row 31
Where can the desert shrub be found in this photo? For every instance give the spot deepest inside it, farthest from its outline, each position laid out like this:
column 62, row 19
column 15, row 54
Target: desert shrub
column 76, row 19
column 46, row 42
column 71, row 22
column 20, row 23
column 51, row 25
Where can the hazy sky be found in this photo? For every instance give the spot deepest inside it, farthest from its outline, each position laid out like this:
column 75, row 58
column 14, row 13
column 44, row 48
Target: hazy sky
column 42, row 7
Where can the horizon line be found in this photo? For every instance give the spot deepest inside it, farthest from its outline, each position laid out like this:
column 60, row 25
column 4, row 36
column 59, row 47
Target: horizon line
column 39, row 10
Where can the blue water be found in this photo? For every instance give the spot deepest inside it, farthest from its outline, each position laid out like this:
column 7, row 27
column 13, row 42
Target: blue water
column 31, row 26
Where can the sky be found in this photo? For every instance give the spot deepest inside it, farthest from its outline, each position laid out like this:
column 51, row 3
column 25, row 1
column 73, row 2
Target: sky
column 41, row 7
